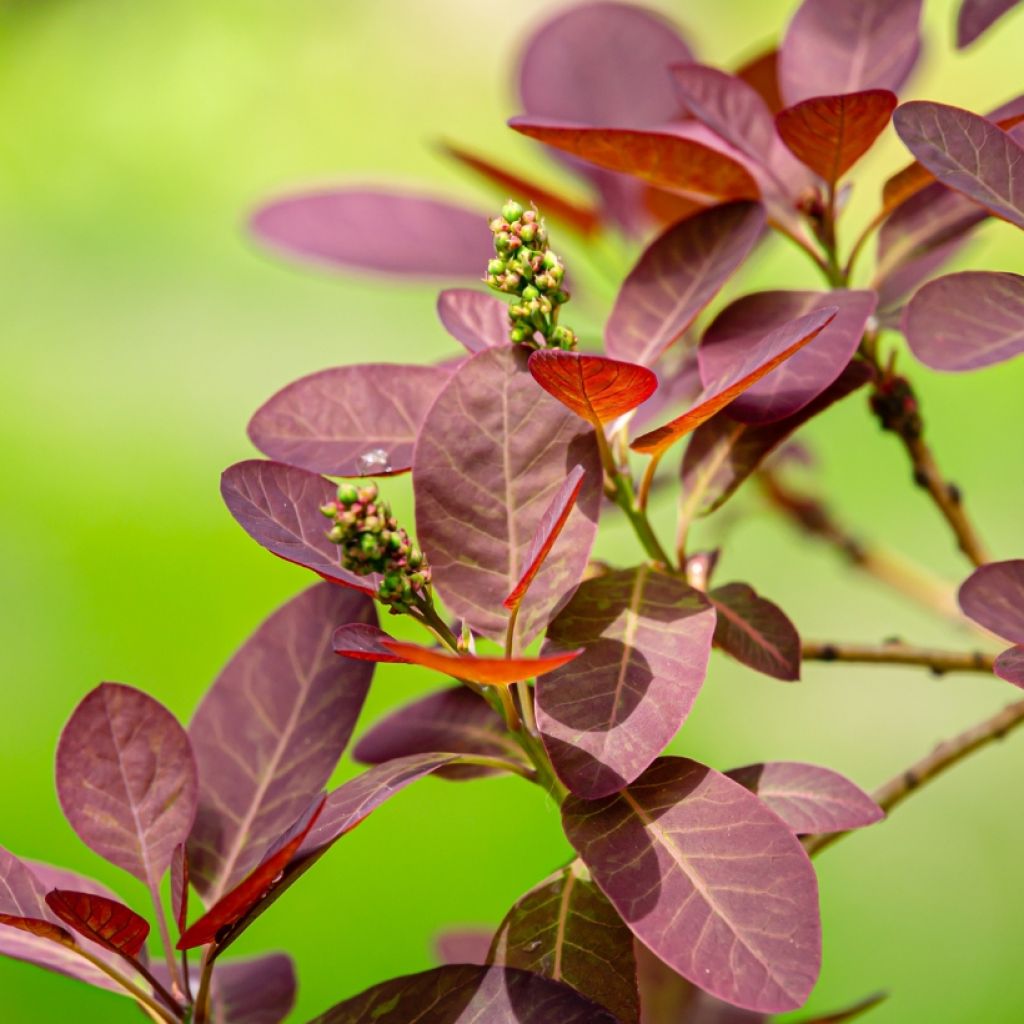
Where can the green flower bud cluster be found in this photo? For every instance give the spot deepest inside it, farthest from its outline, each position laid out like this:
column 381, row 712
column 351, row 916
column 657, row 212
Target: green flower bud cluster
column 524, row 266
column 372, row 541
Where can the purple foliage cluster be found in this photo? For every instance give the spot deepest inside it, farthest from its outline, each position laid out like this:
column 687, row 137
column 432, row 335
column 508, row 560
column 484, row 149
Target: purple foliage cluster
column 692, row 897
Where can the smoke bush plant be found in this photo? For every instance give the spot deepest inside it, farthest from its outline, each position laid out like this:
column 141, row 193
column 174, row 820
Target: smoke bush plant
column 693, row 897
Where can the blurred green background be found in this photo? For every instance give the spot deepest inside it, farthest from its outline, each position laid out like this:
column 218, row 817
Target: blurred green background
column 141, row 328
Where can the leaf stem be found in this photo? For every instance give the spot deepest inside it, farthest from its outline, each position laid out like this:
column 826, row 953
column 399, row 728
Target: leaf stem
column 897, row 653
column 151, row 1006
column 202, row 1006
column 165, row 939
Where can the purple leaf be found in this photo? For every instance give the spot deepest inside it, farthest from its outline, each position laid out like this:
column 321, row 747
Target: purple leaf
column 799, row 380
column 467, row 994
column 279, row 507
column 709, row 879
column 678, row 274
column 607, row 715
column 761, row 74
column 474, row 319
column 993, row 596
column 966, row 321
column 1010, row 665
column 362, row 641
column 350, row 420
column 260, row 990
column 493, row 451
column 678, row 384
column 723, row 453
column 755, row 631
column 565, row 929
column 126, row 780
column 808, row 798
column 976, row 16
column 386, row 232
column 463, row 946
column 180, row 880
column 841, row 46
column 966, row 153
column 269, row 732
column 455, row 719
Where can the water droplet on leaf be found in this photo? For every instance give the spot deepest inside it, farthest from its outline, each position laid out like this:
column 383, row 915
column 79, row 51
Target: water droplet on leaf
column 531, row 946
column 375, row 461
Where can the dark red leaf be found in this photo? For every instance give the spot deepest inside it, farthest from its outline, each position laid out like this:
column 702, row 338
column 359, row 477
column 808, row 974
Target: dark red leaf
column 1010, row 665
column 494, row 451
column 491, row 671
column 761, row 73
column 363, row 642
column 236, row 903
column 966, row 321
column 474, row 319
column 463, row 946
column 556, row 515
column 841, row 46
column 808, row 798
column 107, row 922
column 179, row 885
column 468, row 994
column 709, row 879
column 566, row 930
column 38, row 929
column 594, row 387
column 646, row 638
column 755, row 631
column 966, row 153
column 260, row 990
column 739, row 328
column 386, row 232
column 269, row 732
column 774, row 348
column 678, row 274
column 279, row 507
column 831, row 133
column 976, row 16
column 993, row 596
column 350, row 420
column 126, row 780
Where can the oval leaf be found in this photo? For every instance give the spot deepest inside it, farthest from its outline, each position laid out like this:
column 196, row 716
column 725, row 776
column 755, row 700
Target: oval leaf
column 107, row 922
column 126, row 780
column 363, row 642
column 755, row 631
column 493, row 452
column 678, row 274
column 279, row 507
column 491, row 671
column 1010, row 665
column 349, row 420
column 595, row 388
column 993, row 596
column 565, row 929
column 474, row 319
column 646, row 638
column 966, row 153
column 269, row 732
column 830, row 134
column 977, row 16
column 966, row 321
column 468, row 994
column 769, row 352
column 709, row 879
column 386, row 232
column 842, row 46
column 260, row 990
column 808, row 798
column 739, row 328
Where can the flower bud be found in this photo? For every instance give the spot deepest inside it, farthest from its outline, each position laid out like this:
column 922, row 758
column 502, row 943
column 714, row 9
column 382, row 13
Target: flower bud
column 496, row 267
column 511, row 211
column 348, row 493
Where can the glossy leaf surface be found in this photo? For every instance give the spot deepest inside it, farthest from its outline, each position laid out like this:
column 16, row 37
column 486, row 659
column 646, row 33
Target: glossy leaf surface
column 476, row 669
column 126, row 780
column 1010, row 665
column 755, row 631
column 369, row 229
column 565, row 929
column 678, row 274
column 967, row 153
column 595, row 388
column 494, row 451
column 809, row 798
column 646, row 638
column 107, row 922
column 468, row 994
column 260, row 990
column 328, row 421
column 993, row 596
column 362, row 641
column 966, row 321
column 830, row 134
column 475, row 319
column 976, row 16
column 279, row 507
column 739, row 328
column 843, row 46
column 269, row 732
column 773, row 349
column 709, row 879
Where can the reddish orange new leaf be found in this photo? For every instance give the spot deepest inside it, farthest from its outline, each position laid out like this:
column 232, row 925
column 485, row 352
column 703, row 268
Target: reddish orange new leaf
column 106, row 922
column 41, row 929
column 492, row 671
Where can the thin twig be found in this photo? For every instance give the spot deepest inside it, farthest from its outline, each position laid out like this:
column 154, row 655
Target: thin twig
column 144, row 999
column 897, row 653
column 943, row 757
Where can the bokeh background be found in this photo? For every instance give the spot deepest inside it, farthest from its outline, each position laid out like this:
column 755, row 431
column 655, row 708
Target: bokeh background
column 140, row 328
